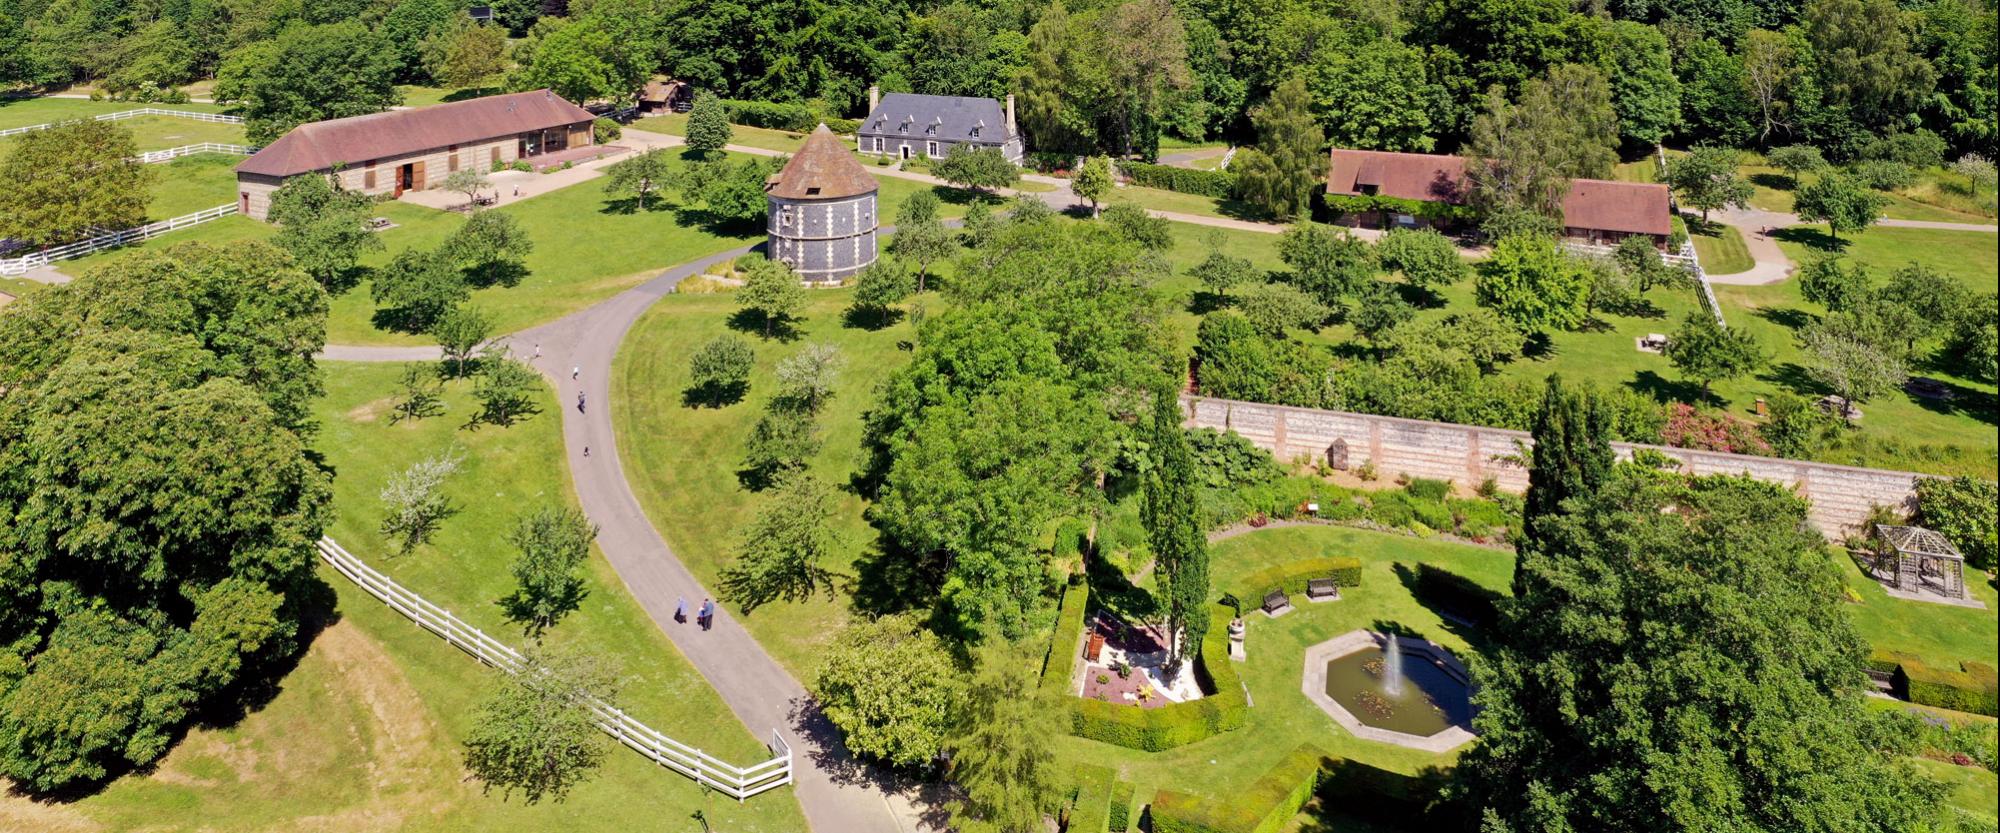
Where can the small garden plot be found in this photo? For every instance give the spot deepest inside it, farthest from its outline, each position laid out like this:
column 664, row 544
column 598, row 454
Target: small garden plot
column 1125, row 663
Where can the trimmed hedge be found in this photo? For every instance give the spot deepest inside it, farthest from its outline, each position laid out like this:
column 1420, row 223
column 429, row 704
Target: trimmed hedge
column 1459, row 594
column 1292, row 577
column 1175, row 724
column 778, row 116
column 1433, row 211
column 1092, row 813
column 1056, row 667
column 1974, row 689
column 1121, row 807
column 1218, row 184
column 1265, row 807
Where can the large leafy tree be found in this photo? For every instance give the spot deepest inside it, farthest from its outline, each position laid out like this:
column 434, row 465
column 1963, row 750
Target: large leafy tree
column 1280, row 175
column 1863, row 58
column 1840, row 202
column 1644, row 91
column 309, row 73
column 1636, row 684
column 324, row 227
column 708, row 128
column 552, row 543
column 157, row 513
column 785, row 551
column 773, row 293
column 1003, row 749
column 536, row 733
column 1706, row 179
column 1533, row 283
column 1572, row 456
column 641, row 175
column 1375, row 96
column 1523, row 154
column 1708, row 352
column 69, row 179
column 1172, row 515
column 893, row 688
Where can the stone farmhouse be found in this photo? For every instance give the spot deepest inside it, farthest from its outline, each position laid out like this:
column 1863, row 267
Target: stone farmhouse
column 1595, row 211
column 409, row 150
column 907, row 125
column 822, row 216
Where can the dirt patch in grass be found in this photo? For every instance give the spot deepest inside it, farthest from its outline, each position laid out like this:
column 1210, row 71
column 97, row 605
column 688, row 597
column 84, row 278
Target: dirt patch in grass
column 371, row 411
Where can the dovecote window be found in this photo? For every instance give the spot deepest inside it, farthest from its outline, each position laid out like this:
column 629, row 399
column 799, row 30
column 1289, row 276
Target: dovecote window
column 785, row 217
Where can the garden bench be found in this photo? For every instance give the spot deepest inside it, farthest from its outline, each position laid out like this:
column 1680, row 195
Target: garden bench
column 1276, row 603
column 1322, row 590
column 492, row 200
column 379, row 223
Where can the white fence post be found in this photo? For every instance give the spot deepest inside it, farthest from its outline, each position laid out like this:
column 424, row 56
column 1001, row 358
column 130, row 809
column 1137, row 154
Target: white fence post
column 111, row 239
column 214, row 118
column 734, row 781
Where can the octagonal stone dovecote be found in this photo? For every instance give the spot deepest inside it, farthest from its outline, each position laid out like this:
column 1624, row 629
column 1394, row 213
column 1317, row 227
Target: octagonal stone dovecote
column 1314, row 686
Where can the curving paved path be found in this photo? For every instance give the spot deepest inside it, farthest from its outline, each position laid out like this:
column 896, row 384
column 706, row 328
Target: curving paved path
column 837, row 793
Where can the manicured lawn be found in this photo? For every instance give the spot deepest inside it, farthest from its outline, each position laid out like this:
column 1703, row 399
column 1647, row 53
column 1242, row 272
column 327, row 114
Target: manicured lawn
column 192, row 183
column 1973, row 257
column 1163, row 200
column 1722, row 251
column 21, row 112
column 1941, row 635
column 1969, row 790
column 162, row 132
column 1938, row 195
column 1282, row 717
column 675, row 124
column 415, row 96
column 365, row 734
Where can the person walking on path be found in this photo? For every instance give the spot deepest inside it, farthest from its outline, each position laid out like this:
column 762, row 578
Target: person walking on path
column 538, row 350
column 681, row 610
column 575, row 372
column 579, row 402
column 707, row 614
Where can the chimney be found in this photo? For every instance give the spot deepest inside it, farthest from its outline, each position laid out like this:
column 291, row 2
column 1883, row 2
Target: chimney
column 1010, row 114
column 874, row 97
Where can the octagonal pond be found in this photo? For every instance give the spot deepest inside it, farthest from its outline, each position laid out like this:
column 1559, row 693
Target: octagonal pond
column 1428, row 700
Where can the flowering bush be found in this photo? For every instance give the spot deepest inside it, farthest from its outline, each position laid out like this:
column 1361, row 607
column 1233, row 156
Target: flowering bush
column 1690, row 428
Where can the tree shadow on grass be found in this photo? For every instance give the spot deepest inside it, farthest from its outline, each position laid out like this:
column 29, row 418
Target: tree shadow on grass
column 1466, row 618
column 1663, row 389
column 507, row 273
column 713, row 395
column 1959, row 400
column 1793, row 377
column 1791, row 318
column 718, row 225
column 1811, row 237
column 1111, row 590
column 751, row 321
column 1203, row 302
column 520, row 610
column 1773, row 181
column 627, row 206
column 871, row 318
column 890, row 579
column 1539, row 347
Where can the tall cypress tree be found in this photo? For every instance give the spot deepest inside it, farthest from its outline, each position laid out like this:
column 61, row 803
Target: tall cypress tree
column 1180, row 547
column 1572, row 434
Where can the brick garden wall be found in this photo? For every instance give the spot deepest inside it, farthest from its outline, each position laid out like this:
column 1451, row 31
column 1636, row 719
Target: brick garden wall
column 1841, row 496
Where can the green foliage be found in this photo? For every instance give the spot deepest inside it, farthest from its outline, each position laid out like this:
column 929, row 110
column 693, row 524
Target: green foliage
column 1796, row 428
column 1121, row 807
column 1974, row 688
column 1706, row 179
column 1092, row 813
column 1428, row 260
column 1093, row 180
column 307, row 74
column 459, row 332
column 1291, row 578
column 771, row 115
column 1274, row 308
column 1072, row 609
column 506, row 389
column 1705, row 351
column 1375, row 96
column 1328, row 262
column 553, row 541
column 1224, row 459
column 414, row 503
column 1219, row 272
column 1534, row 285
column 1840, row 202
column 534, row 733
column 1380, row 310
column 921, row 237
column 1523, row 154
column 415, row 290
column 1281, row 174
column 773, row 293
column 1128, row 220
column 640, row 175
column 892, row 688
column 467, row 53
column 976, row 168
column 420, row 394
column 879, row 288
column 489, row 249
column 1223, row 708
column 1174, row 529
column 1644, row 92
column 1002, row 750
column 1217, row 184
column 708, row 127
column 782, row 554
column 1572, row 455
column 1268, row 805
column 324, row 228
column 1966, row 511
column 69, row 179
column 1796, row 159
column 780, row 443
column 1832, row 283
column 719, row 372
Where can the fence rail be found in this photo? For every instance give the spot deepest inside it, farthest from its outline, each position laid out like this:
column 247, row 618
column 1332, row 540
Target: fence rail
column 216, row 118
column 108, row 240
column 152, row 156
column 731, row 780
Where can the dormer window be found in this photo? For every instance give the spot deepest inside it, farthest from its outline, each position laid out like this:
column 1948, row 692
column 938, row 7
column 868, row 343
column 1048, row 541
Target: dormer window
column 932, row 128
column 980, row 125
column 812, row 191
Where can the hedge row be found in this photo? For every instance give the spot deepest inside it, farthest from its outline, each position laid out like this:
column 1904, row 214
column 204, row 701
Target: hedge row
column 776, row 116
column 1175, row 724
column 1433, row 211
column 1218, row 184
column 1459, row 594
column 1121, row 807
column 1265, row 807
column 1092, row 813
column 1974, row 689
column 1292, row 577
column 1061, row 660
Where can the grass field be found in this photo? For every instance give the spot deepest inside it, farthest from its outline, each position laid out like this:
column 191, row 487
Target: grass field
column 21, row 112
column 1722, row 250
column 162, row 132
column 1939, row 195
column 192, row 183
column 365, row 734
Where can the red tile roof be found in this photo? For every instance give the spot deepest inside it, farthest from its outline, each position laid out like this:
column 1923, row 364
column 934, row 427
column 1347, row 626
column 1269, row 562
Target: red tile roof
column 1602, row 205
column 1628, row 207
column 320, row 145
column 1408, row 176
column 822, row 170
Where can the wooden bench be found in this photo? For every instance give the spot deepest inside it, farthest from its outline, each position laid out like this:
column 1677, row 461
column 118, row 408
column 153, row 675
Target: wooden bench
column 484, row 201
column 1322, row 590
column 379, row 223
column 1276, row 603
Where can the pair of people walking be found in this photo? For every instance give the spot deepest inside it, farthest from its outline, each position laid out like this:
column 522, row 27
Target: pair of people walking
column 703, row 616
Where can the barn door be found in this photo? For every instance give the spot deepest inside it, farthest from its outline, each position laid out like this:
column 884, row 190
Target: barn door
column 417, row 175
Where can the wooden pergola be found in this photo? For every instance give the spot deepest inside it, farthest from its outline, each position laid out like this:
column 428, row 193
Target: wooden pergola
column 1916, row 559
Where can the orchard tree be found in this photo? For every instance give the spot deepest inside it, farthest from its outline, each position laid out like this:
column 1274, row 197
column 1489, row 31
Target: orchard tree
column 506, row 389
column 1856, row 368
column 784, row 552
column 1977, row 170
column 1428, row 260
column 1093, row 181
column 1274, row 308
column 467, row 181
column 708, row 129
column 773, row 293
column 551, row 543
column 878, row 289
column 921, row 237
column 420, row 393
column 1153, row 234
column 1380, row 309
column 640, row 175
column 780, row 444
column 490, row 249
column 416, row 289
column 1795, row 160
column 536, row 733
column 1328, row 262
column 1840, row 202
column 324, row 227
column 1832, row 283
column 893, row 689
column 1706, row 179
column 1704, row 350
column 806, row 378
column 459, row 332
column 719, row 372
column 1174, row 528
column 1218, row 272
column 979, row 169
column 308, row 74
column 1280, row 175
column 69, row 179
column 1531, row 282
column 414, row 502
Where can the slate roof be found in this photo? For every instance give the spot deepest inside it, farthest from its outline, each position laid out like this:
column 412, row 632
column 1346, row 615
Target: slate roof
column 320, row 145
column 1603, row 205
column 951, row 118
column 822, row 170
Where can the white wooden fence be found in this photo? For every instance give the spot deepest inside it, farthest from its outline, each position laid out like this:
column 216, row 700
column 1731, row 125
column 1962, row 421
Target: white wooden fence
column 152, row 156
column 108, row 240
column 217, row 118
column 734, row 781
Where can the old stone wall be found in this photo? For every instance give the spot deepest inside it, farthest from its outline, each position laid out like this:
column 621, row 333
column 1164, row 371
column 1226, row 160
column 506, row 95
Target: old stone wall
column 1841, row 496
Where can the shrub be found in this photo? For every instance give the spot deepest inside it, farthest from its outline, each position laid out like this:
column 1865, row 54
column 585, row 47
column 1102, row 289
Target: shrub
column 1883, row 175
column 1175, row 724
column 605, row 131
column 1069, row 632
column 1292, row 577
column 1092, row 811
column 1966, row 511
column 1267, row 806
column 771, row 115
column 1121, row 807
column 845, row 127
column 1426, row 489
column 1461, row 596
column 1974, row 689
column 1218, row 184
column 1225, row 459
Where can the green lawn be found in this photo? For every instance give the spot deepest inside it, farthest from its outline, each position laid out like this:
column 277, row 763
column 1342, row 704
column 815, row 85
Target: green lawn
column 1941, row 635
column 416, row 96
column 1939, row 195
column 1973, row 257
column 192, row 183
column 162, row 132
column 1282, row 717
column 1164, row 200
column 365, row 734
column 21, row 112
column 1722, row 250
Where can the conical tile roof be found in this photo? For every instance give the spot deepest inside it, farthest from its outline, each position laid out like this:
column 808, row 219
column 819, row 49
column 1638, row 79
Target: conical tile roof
column 822, row 170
